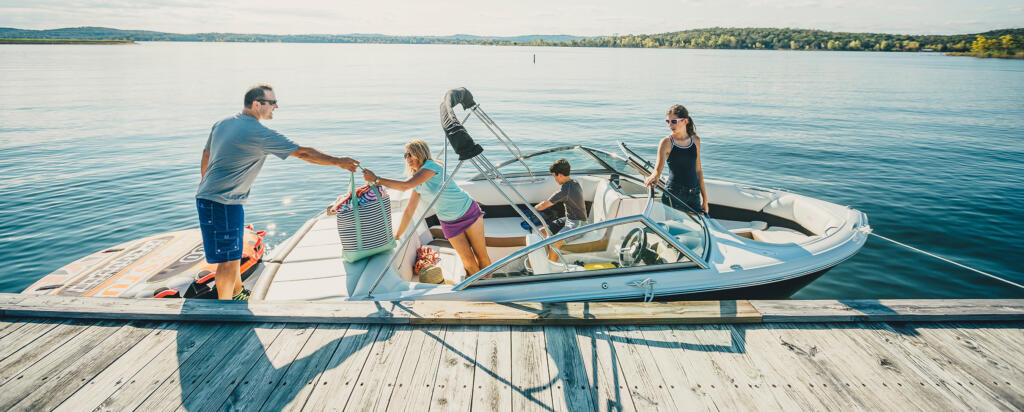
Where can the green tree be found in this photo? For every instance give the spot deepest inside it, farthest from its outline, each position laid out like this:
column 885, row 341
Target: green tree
column 1007, row 43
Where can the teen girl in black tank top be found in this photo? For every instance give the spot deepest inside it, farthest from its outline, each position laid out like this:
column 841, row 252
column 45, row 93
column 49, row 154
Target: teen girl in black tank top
column 681, row 150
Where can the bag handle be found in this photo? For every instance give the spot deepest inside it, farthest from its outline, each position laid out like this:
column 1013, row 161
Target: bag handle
column 355, row 210
column 380, row 198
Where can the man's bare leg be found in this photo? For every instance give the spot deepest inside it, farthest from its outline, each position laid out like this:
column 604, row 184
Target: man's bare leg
column 228, row 279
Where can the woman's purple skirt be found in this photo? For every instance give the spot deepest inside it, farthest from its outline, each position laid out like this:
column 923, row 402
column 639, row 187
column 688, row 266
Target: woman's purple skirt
column 456, row 227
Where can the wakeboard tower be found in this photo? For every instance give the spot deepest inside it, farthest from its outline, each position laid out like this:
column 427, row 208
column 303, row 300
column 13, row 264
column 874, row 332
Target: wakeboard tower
column 167, row 265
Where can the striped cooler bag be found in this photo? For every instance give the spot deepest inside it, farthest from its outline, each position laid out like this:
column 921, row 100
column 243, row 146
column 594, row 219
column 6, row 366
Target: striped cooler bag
column 364, row 222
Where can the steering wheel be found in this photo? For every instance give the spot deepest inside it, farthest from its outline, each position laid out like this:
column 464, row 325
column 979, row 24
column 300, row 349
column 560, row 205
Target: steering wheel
column 632, row 248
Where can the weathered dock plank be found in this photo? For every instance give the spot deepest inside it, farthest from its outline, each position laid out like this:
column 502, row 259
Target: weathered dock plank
column 49, row 383
column 266, row 373
column 9, row 326
column 186, row 376
column 34, row 348
column 251, row 364
column 995, row 339
column 335, row 385
column 28, row 375
column 571, row 389
column 943, row 372
column 121, row 371
column 649, row 389
column 827, row 361
column 377, row 381
column 454, row 382
column 729, row 357
column 789, row 373
column 134, row 391
column 530, row 378
column 415, row 383
column 24, row 335
column 582, row 313
column 294, row 387
column 492, row 388
column 604, row 374
column 489, row 313
column 973, row 360
column 775, row 382
column 890, row 310
column 701, row 356
column 873, row 365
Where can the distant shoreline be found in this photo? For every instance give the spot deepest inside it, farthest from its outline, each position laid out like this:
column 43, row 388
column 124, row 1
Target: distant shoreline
column 1018, row 55
column 64, row 41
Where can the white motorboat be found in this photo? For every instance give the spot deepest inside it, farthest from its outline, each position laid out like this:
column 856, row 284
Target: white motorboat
column 756, row 243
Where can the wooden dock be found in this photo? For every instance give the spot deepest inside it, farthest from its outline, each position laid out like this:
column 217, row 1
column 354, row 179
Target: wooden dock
column 120, row 354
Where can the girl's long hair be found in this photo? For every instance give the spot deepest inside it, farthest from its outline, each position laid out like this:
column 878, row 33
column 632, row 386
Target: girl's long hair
column 680, row 112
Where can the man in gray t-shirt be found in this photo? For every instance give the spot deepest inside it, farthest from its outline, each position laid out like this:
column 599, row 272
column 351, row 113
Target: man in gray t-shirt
column 232, row 158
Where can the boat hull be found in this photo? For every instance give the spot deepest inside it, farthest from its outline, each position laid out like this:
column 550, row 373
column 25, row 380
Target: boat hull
column 774, row 290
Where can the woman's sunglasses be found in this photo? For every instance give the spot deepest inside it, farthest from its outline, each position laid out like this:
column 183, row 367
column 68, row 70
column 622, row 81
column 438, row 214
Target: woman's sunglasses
column 408, row 155
column 673, row 121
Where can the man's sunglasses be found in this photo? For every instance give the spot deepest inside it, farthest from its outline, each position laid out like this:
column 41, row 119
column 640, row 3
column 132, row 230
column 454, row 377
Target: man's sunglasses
column 673, row 121
column 270, row 102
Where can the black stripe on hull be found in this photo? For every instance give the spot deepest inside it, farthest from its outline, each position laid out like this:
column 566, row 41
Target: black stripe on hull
column 774, row 290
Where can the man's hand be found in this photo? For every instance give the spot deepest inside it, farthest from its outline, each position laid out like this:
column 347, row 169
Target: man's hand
column 348, row 163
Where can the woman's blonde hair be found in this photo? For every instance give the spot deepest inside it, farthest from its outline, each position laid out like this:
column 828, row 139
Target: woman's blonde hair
column 418, row 149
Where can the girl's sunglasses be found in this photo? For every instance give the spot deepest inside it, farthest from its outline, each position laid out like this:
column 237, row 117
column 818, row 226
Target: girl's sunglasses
column 673, row 121
column 408, row 155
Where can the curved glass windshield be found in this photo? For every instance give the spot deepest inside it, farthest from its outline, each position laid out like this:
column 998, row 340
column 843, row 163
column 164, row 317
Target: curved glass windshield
column 613, row 247
column 583, row 160
column 678, row 220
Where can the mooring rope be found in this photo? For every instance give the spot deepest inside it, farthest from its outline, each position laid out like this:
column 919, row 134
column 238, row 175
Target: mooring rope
column 950, row 261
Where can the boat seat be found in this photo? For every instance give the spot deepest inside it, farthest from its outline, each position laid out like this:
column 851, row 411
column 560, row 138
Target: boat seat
column 780, row 235
column 539, row 263
column 498, row 232
column 803, row 211
column 606, row 202
column 736, row 226
column 738, row 196
column 689, row 237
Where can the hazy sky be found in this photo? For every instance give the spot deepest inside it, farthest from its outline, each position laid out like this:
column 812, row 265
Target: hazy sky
column 513, row 17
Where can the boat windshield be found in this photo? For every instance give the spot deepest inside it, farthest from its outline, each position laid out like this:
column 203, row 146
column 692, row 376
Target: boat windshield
column 627, row 245
column 678, row 220
column 584, row 161
column 661, row 238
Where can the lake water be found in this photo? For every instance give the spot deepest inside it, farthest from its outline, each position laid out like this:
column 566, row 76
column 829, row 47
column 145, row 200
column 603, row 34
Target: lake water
column 101, row 144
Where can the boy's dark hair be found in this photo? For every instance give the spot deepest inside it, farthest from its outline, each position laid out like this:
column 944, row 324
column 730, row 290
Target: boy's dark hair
column 560, row 166
column 255, row 93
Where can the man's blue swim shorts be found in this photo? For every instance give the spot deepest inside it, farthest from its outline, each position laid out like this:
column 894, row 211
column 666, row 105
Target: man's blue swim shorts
column 223, row 230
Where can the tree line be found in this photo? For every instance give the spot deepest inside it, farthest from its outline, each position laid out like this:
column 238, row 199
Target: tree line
column 800, row 39
column 996, row 43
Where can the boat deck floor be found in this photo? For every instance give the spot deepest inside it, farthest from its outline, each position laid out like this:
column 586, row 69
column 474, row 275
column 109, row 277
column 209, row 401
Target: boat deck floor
column 310, row 267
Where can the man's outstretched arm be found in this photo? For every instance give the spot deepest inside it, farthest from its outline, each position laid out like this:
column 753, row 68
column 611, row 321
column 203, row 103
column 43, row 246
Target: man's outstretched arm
column 317, row 157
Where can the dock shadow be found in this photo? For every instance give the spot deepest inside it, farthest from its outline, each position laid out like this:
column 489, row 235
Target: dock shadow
column 240, row 346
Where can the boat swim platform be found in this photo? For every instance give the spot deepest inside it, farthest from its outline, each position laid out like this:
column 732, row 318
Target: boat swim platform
column 63, row 353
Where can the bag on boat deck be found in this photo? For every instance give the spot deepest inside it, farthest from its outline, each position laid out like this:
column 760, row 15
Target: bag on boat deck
column 364, row 222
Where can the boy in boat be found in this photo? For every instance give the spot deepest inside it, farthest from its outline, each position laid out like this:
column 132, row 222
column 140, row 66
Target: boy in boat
column 233, row 156
column 571, row 194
